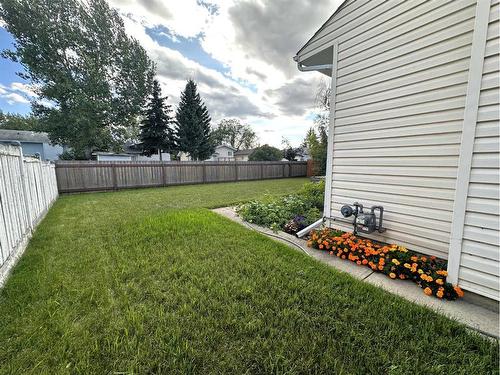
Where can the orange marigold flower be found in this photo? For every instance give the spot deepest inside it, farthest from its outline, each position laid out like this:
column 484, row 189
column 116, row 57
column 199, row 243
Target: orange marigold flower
column 407, row 265
column 381, row 267
column 420, row 271
column 459, row 291
column 414, row 258
column 396, row 262
column 424, row 259
column 440, row 294
column 392, row 275
column 439, row 281
column 428, row 291
column 321, row 246
column 364, row 261
column 442, row 272
column 429, row 279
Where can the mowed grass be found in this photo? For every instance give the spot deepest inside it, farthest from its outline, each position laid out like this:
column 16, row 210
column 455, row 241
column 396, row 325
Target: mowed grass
column 152, row 282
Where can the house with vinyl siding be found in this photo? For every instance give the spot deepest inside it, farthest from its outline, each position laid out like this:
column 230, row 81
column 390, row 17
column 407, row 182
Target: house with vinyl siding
column 414, row 126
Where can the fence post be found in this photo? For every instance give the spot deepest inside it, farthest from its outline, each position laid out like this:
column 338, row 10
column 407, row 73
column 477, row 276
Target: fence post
column 115, row 180
column 289, row 169
column 25, row 188
column 236, row 177
column 164, row 174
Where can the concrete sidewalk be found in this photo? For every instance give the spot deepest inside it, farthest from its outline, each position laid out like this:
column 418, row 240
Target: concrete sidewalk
column 476, row 317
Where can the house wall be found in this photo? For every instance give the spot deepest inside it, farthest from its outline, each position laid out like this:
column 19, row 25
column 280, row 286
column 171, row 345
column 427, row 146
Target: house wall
column 479, row 262
column 399, row 90
column 114, row 157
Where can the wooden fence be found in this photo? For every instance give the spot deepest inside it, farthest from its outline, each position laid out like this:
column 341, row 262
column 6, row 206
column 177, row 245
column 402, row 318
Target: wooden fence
column 27, row 190
column 80, row 176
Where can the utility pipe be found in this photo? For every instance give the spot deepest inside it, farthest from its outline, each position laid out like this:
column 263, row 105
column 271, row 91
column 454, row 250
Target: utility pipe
column 306, row 230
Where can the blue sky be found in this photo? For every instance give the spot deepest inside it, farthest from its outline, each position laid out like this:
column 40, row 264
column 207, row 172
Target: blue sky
column 239, row 52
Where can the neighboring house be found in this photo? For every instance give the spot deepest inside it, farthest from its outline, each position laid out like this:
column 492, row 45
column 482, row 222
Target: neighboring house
column 223, row 153
column 111, row 156
column 302, row 154
column 32, row 143
column 242, row 155
column 415, row 126
column 131, row 152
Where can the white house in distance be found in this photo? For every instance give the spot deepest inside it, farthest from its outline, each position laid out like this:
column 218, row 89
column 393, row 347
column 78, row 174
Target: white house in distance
column 222, row 153
column 414, row 126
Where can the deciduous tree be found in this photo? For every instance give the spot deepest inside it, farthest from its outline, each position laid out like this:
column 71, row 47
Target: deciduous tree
column 266, row 153
column 235, row 134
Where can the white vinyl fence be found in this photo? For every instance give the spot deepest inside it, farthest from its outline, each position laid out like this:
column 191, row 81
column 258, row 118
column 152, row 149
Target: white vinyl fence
column 28, row 187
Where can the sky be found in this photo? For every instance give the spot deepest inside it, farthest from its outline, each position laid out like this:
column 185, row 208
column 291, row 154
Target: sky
column 238, row 51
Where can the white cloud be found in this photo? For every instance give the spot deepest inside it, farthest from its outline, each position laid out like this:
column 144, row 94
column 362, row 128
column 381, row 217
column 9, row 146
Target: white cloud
column 16, row 93
column 13, row 98
column 255, row 40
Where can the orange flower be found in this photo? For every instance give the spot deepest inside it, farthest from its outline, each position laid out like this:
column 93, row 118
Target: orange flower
column 428, row 291
column 392, row 275
column 459, row 291
column 414, row 258
column 407, row 265
column 396, row 262
column 358, row 262
column 321, row 246
column 381, row 267
column 364, row 261
column 440, row 294
column 442, row 272
column 424, row 259
column 439, row 281
column 402, row 277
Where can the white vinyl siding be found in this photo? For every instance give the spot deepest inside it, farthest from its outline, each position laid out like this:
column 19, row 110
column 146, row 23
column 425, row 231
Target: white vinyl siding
column 480, row 259
column 398, row 117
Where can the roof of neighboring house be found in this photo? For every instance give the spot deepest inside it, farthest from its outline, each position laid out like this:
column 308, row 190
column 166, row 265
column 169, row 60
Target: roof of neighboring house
column 244, row 152
column 105, row 153
column 23, row 136
column 226, row 146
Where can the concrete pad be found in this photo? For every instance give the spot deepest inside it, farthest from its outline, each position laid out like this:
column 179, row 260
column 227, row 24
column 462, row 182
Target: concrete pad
column 474, row 316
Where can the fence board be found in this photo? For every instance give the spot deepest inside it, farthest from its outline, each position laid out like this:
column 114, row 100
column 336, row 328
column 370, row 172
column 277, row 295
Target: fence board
column 81, row 176
column 27, row 189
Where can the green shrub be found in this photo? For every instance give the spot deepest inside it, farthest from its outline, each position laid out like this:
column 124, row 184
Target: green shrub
column 304, row 206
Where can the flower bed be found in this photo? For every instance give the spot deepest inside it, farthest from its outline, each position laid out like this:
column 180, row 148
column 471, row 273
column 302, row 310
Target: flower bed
column 290, row 213
column 393, row 260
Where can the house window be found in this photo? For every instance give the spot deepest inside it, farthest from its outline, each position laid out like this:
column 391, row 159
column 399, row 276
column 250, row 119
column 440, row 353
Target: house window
column 229, row 153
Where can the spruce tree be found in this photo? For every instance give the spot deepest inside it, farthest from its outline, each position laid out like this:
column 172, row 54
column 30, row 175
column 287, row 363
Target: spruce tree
column 156, row 133
column 193, row 125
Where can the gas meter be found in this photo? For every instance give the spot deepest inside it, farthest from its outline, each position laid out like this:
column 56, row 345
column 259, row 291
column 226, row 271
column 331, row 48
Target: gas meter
column 364, row 222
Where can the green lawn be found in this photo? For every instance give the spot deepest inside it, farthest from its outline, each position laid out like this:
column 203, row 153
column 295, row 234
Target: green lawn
column 150, row 281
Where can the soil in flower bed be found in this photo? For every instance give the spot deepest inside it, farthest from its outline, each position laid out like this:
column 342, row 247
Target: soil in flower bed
column 395, row 261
